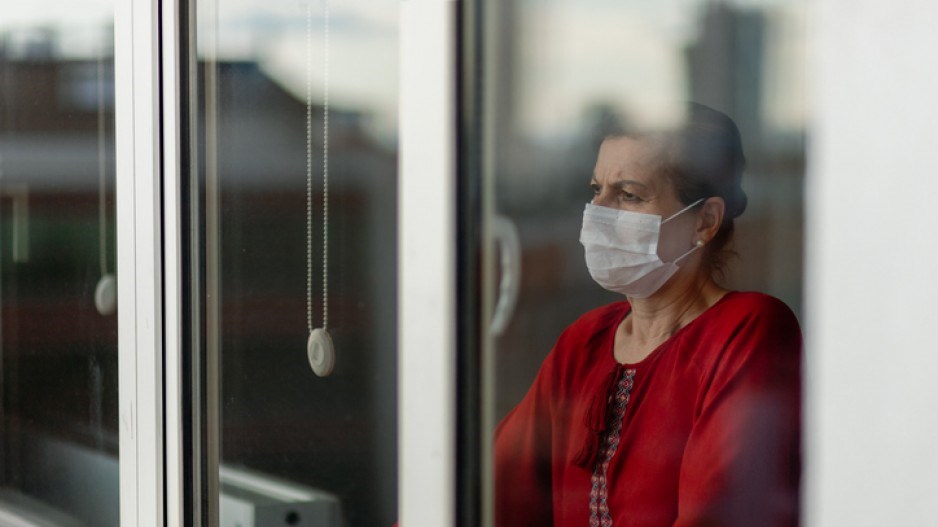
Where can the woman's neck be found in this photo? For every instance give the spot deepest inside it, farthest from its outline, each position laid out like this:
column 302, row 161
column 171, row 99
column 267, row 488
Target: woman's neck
column 656, row 318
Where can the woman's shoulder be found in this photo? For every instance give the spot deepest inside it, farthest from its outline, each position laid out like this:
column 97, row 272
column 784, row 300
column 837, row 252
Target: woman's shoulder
column 751, row 319
column 747, row 334
column 753, row 306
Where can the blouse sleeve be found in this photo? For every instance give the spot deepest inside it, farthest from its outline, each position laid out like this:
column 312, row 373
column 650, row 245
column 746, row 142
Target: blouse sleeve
column 741, row 464
column 523, row 458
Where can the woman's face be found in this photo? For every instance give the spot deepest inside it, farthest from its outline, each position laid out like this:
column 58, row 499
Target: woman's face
column 628, row 177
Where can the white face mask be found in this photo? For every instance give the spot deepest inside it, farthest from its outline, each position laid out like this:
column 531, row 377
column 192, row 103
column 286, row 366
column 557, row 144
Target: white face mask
column 622, row 249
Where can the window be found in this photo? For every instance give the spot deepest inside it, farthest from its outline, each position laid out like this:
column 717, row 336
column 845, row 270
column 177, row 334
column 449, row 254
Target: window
column 293, row 229
column 58, row 330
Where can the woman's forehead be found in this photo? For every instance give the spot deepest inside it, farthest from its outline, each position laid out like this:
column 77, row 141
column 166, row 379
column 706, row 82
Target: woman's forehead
column 629, row 158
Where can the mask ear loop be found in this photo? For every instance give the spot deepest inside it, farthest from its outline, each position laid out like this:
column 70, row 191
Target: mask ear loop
column 688, row 253
column 678, row 213
column 682, row 211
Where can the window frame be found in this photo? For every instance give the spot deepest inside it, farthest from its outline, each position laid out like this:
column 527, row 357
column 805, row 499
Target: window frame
column 145, row 339
column 427, row 262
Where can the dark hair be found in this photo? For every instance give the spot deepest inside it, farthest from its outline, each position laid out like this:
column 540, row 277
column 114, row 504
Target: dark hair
column 706, row 160
column 703, row 158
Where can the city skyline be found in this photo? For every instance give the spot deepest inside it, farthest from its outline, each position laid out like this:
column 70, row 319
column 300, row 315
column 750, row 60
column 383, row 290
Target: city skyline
column 627, row 55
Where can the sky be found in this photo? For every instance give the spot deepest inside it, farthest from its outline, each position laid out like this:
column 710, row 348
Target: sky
column 572, row 52
column 630, row 54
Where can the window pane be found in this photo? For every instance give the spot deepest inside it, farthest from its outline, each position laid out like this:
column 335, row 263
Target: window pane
column 58, row 331
column 280, row 256
column 564, row 75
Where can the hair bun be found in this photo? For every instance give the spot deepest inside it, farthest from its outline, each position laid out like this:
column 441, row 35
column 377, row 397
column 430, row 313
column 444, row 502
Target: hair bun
column 736, row 203
column 712, row 156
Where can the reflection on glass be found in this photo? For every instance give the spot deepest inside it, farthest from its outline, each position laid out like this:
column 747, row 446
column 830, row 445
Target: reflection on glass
column 612, row 67
column 557, row 98
column 681, row 405
column 58, row 330
column 264, row 73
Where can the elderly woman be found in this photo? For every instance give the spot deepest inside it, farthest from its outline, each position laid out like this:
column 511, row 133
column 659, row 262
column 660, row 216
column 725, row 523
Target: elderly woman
column 679, row 406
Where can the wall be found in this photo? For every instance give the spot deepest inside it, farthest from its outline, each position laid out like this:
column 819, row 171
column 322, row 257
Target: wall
column 871, row 291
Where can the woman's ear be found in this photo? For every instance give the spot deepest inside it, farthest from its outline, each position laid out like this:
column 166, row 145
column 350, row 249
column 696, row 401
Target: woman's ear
column 710, row 218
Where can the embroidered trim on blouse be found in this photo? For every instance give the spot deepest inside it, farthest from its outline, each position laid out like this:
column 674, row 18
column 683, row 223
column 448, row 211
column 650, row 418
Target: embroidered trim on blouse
column 599, row 493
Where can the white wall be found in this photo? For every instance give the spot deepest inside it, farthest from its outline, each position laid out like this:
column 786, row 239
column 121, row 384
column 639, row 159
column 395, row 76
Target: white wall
column 872, row 265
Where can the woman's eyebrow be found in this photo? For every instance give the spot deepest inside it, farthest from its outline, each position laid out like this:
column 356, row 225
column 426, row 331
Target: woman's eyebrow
column 621, row 183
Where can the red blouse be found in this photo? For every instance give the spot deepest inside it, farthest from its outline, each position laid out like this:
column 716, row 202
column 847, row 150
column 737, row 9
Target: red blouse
column 705, row 431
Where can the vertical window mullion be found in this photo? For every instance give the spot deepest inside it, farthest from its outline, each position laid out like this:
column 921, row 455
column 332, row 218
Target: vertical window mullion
column 140, row 323
column 427, row 264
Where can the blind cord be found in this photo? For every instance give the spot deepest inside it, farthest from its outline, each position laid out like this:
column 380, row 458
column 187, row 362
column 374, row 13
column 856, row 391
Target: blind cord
column 319, row 348
column 309, row 171
column 102, row 170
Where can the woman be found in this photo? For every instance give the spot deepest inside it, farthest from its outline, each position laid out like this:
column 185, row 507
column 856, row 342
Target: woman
column 681, row 405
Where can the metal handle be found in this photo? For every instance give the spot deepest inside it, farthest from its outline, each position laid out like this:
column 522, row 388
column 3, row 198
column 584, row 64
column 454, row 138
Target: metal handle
column 506, row 236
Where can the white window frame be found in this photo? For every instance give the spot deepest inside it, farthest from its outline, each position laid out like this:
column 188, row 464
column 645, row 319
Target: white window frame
column 140, row 340
column 148, row 262
column 427, row 264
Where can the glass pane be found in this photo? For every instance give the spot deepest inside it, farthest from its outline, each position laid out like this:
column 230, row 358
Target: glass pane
column 58, row 331
column 296, row 175
column 564, row 76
